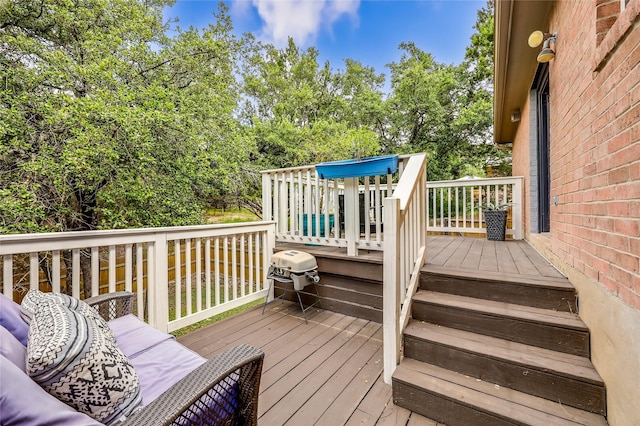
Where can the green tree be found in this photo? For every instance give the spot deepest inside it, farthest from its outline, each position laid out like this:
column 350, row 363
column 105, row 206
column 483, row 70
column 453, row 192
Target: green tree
column 105, row 122
column 299, row 112
column 423, row 110
column 446, row 110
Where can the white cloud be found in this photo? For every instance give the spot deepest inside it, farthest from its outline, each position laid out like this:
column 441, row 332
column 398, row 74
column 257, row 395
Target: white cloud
column 300, row 19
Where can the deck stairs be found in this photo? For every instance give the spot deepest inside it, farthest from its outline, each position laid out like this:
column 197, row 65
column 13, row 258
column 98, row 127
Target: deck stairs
column 497, row 349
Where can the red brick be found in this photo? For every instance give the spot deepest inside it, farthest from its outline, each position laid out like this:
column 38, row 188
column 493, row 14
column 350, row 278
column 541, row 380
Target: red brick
column 619, row 175
column 634, row 247
column 603, row 24
column 608, row 9
column 618, row 208
column 610, row 284
column 629, row 263
column 630, row 297
column 617, row 242
column 628, row 227
column 628, row 191
column 634, row 171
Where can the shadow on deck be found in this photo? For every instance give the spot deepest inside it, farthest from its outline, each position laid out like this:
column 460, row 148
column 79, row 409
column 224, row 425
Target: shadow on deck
column 329, row 371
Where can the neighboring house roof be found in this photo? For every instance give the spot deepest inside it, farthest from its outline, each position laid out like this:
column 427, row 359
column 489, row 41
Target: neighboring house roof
column 515, row 61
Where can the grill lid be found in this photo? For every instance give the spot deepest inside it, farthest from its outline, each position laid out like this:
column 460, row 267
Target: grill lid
column 294, row 261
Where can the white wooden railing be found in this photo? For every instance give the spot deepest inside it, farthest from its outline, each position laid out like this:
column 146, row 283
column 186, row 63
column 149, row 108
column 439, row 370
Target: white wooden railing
column 456, row 206
column 308, row 210
column 404, row 254
column 180, row 275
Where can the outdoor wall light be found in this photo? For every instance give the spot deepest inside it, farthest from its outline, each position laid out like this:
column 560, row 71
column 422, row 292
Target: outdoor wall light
column 547, row 53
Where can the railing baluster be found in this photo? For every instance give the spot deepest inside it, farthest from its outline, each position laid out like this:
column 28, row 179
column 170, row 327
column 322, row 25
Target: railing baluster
column 178, row 273
column 128, row 267
column 7, row 275
column 34, row 271
column 225, row 251
column 75, row 273
column 241, row 251
column 207, row 271
column 112, row 269
column 198, row 275
column 95, row 271
column 216, row 267
column 299, row 218
column 140, row 280
column 250, row 259
column 234, row 267
column 55, row 265
column 187, row 276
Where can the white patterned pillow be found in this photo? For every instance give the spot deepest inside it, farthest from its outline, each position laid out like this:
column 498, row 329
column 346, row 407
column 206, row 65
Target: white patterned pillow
column 71, row 357
column 33, row 297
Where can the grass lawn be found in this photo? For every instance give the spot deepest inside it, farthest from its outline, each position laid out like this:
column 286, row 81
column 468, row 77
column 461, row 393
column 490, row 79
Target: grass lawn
column 231, row 216
column 188, row 329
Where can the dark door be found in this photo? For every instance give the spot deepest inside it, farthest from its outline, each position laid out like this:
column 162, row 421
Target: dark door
column 543, row 123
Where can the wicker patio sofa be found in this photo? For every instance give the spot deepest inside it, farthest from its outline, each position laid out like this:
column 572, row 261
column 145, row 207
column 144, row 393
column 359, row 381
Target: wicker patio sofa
column 177, row 386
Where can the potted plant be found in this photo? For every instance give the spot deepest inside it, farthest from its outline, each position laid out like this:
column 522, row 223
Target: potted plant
column 495, row 218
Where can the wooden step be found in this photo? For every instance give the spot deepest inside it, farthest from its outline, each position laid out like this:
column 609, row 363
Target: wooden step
column 455, row 399
column 569, row 379
column 558, row 331
column 333, row 299
column 541, row 292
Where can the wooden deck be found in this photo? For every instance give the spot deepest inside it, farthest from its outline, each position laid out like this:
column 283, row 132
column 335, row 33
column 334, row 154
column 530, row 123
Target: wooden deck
column 326, row 372
column 329, row 371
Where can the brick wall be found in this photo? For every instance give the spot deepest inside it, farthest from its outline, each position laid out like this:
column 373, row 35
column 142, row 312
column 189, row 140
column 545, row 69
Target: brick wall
column 595, row 143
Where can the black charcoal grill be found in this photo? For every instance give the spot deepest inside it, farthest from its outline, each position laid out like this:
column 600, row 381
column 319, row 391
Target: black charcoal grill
column 297, row 267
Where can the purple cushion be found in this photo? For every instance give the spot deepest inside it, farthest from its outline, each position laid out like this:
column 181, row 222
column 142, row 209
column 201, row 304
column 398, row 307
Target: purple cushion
column 158, row 359
column 23, row 402
column 134, row 336
column 12, row 349
column 11, row 320
column 162, row 366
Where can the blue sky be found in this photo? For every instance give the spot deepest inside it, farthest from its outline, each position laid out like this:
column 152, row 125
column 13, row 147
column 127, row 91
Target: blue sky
column 365, row 30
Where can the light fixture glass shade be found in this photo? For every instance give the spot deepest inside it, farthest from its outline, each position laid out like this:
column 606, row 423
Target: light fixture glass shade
column 536, row 38
column 547, row 53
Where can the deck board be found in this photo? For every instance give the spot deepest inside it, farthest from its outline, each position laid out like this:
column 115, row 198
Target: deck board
column 329, row 371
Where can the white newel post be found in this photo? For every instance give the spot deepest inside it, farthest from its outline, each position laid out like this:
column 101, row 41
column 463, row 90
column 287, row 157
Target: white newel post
column 351, row 215
column 269, row 245
column 266, row 197
column 160, row 283
column 391, row 289
column 516, row 210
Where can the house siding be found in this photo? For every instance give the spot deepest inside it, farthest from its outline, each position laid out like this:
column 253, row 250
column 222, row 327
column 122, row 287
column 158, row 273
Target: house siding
column 595, row 175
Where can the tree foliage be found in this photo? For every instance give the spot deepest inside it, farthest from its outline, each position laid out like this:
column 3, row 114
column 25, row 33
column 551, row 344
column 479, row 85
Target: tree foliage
column 110, row 118
column 446, row 110
column 109, row 123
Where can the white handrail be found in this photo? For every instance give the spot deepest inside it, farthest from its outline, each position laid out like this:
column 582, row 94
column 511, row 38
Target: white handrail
column 404, row 254
column 150, row 262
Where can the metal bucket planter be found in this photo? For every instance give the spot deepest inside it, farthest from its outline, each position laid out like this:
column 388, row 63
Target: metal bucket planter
column 496, row 222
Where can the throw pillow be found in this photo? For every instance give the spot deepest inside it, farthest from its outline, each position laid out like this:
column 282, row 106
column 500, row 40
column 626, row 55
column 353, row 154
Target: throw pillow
column 72, row 358
column 33, row 297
